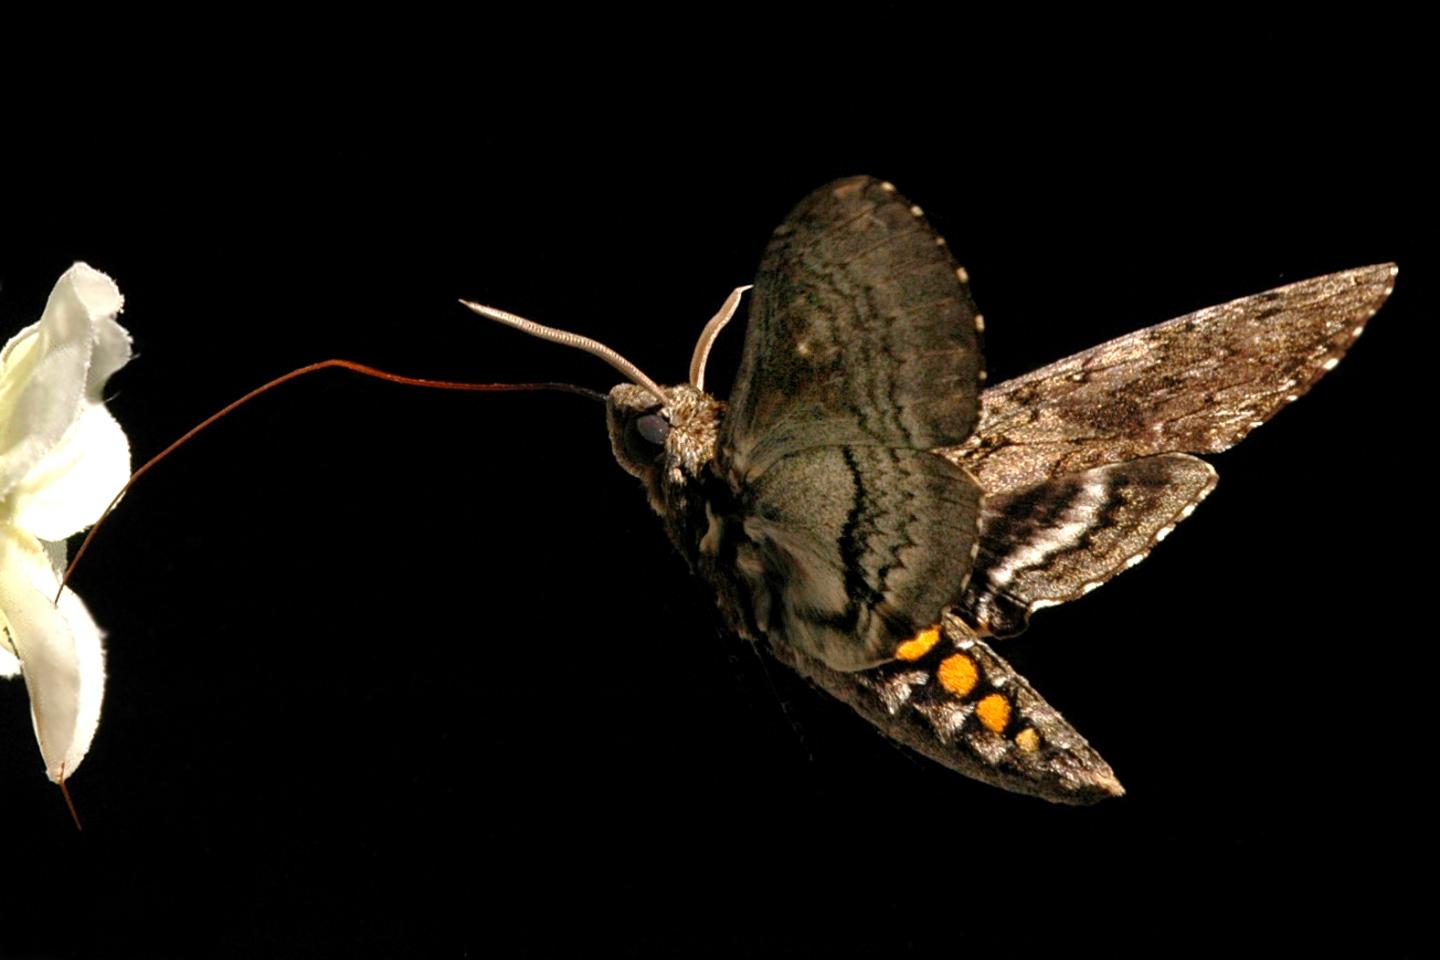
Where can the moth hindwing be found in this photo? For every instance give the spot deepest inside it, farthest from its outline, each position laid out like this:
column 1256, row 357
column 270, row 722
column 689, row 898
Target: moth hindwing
column 865, row 511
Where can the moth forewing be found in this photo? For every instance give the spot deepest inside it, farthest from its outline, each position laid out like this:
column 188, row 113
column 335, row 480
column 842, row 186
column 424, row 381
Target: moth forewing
column 1195, row 384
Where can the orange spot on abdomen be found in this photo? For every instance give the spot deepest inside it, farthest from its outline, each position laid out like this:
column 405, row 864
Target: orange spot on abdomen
column 918, row 645
column 994, row 712
column 958, row 674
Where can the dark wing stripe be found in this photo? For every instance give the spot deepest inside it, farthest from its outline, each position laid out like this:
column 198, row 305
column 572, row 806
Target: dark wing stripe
column 852, row 550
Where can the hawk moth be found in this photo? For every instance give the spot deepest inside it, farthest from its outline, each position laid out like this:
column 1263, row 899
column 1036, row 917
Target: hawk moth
column 863, row 509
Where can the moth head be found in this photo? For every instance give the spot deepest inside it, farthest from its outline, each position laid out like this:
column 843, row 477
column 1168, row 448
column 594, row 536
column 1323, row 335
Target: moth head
column 664, row 444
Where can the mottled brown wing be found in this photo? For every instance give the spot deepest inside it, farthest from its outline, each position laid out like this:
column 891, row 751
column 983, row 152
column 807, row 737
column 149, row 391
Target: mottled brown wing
column 861, row 333
column 1196, row 384
column 860, row 359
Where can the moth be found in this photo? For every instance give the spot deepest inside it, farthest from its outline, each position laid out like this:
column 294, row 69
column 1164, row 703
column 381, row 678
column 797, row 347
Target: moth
column 878, row 521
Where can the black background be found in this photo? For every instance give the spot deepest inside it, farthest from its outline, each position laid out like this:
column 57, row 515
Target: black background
column 396, row 672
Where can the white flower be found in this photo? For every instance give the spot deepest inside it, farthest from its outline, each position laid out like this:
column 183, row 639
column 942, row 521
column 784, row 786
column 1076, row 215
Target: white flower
column 62, row 457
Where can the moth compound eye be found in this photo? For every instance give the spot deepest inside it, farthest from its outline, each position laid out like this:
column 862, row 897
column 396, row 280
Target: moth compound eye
column 642, row 441
column 654, row 428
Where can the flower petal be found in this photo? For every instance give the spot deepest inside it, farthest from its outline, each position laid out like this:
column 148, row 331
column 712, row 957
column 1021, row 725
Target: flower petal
column 52, row 369
column 71, row 485
column 9, row 665
column 59, row 650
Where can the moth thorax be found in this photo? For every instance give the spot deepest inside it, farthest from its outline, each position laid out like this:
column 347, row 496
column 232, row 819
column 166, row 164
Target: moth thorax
column 694, row 428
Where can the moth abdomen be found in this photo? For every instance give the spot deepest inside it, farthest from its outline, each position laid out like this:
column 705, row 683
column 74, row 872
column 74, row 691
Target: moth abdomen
column 960, row 704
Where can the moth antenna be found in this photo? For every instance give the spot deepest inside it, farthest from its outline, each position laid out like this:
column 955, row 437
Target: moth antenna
column 350, row 365
column 711, row 331
column 564, row 337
